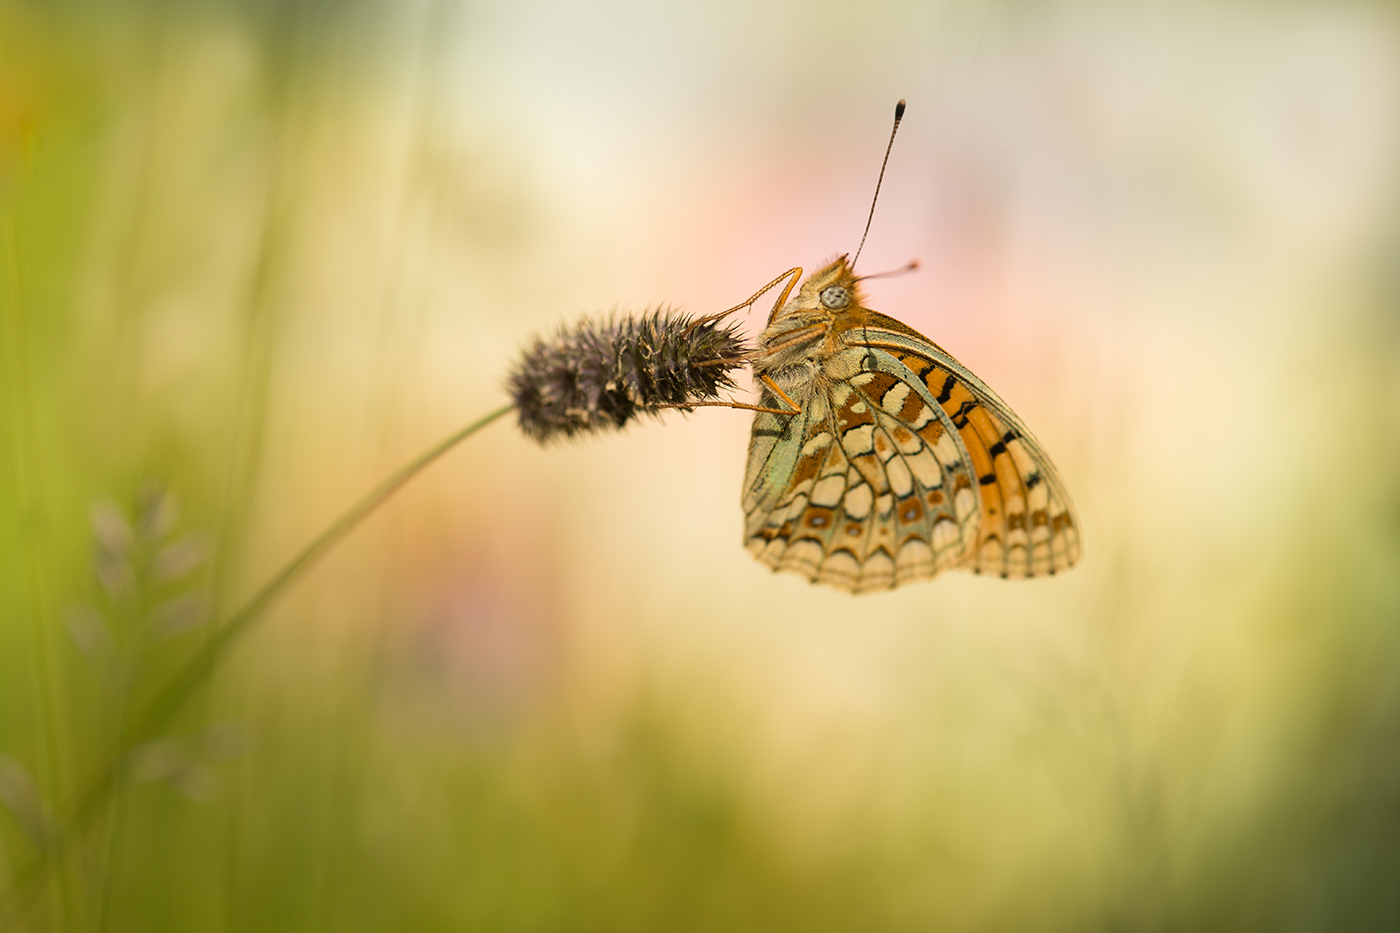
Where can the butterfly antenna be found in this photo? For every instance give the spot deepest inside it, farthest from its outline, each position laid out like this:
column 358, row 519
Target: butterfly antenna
column 909, row 266
column 898, row 115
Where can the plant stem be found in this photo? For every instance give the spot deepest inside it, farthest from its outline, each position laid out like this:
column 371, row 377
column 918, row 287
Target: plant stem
column 198, row 668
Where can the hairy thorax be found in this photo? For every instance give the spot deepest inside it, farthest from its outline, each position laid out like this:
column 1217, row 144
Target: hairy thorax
column 802, row 347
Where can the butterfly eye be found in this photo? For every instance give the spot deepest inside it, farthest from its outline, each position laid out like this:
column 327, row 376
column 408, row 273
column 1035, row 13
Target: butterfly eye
column 835, row 297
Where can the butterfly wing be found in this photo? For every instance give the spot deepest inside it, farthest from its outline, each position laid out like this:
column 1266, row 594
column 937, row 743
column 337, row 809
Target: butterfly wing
column 900, row 465
column 1028, row 526
column 868, row 487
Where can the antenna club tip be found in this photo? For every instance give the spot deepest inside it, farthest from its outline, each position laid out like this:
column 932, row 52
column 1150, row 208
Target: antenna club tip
column 899, row 110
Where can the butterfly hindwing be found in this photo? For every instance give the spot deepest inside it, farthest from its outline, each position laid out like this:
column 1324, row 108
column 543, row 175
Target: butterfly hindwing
column 869, row 487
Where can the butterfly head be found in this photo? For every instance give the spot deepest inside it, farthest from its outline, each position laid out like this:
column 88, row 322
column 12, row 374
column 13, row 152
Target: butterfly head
column 833, row 291
column 828, row 303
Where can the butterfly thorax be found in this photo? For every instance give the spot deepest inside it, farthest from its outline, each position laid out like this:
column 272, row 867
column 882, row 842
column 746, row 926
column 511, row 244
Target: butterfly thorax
column 803, row 337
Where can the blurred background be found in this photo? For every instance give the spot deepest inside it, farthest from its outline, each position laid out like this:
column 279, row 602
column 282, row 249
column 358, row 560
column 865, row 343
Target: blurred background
column 254, row 255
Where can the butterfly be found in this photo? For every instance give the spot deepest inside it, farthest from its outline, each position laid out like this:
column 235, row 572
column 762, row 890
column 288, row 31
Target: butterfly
column 876, row 459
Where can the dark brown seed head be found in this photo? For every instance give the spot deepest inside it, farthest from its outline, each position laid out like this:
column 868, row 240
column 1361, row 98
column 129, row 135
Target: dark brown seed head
column 600, row 374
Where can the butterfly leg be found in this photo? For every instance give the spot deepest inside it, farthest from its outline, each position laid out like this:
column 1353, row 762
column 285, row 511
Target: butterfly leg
column 796, row 408
column 792, row 275
column 796, row 274
column 726, row 404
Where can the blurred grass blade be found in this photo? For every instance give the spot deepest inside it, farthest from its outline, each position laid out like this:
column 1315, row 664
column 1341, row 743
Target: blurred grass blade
column 21, row 799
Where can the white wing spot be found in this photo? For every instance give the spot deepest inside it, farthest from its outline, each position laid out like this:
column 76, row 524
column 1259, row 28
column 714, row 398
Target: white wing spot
column 816, row 443
column 771, row 552
column 1038, row 499
column 925, row 469
column 828, row 492
column 884, row 447
column 804, row 555
column 907, row 441
column 894, row 398
column 839, row 569
column 859, row 440
column 964, row 503
column 946, row 534
column 915, row 561
column 877, row 573
column 1019, row 456
column 946, row 450
column 923, row 418
column 858, row 501
column 791, row 513
column 900, row 480
column 1017, row 561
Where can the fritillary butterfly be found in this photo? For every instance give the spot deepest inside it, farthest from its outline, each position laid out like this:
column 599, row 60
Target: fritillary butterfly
column 879, row 459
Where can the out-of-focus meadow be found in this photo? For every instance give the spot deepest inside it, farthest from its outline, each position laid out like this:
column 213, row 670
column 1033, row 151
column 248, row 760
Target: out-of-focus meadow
column 255, row 255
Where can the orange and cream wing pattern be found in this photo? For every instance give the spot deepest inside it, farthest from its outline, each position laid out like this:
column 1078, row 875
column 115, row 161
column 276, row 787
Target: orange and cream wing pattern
column 1028, row 527
column 866, row 489
column 901, row 464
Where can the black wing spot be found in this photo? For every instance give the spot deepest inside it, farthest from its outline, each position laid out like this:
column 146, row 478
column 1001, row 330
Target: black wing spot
column 1033, row 481
column 947, row 391
column 997, row 449
column 988, row 479
column 960, row 417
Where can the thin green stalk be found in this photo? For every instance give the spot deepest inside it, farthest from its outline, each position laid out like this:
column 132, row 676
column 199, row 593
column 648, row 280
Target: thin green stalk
column 197, row 670
column 114, row 831
column 33, row 549
column 133, row 624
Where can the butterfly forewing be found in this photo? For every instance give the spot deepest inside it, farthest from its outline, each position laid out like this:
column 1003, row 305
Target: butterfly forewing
column 1028, row 526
